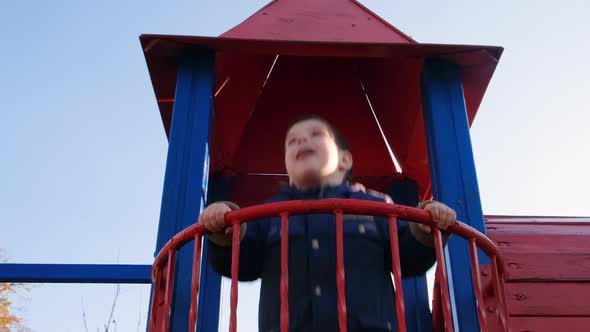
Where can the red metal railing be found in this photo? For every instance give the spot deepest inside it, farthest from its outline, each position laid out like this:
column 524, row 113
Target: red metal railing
column 163, row 268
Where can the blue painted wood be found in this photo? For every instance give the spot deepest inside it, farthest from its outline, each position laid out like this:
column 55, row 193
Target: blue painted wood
column 76, row 273
column 418, row 316
column 209, row 298
column 454, row 180
column 186, row 177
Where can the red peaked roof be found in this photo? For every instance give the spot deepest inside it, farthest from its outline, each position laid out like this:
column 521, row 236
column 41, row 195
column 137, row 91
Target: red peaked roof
column 332, row 58
column 317, row 20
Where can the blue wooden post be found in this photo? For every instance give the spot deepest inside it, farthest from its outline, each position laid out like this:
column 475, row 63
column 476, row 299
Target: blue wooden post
column 186, row 179
column 454, row 180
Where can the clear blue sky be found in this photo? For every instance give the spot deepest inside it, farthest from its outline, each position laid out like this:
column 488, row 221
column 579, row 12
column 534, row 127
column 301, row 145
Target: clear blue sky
column 82, row 148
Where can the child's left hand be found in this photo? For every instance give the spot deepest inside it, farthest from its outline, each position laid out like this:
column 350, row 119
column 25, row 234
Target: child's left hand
column 442, row 215
column 360, row 187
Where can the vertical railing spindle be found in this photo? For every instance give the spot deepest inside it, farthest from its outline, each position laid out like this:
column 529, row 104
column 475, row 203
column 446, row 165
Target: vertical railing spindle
column 397, row 274
column 340, row 278
column 475, row 273
column 499, row 293
column 284, row 272
column 235, row 269
column 157, row 277
column 442, row 277
column 195, row 284
column 169, row 290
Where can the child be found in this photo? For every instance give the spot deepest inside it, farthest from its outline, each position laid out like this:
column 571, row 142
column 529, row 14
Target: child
column 319, row 163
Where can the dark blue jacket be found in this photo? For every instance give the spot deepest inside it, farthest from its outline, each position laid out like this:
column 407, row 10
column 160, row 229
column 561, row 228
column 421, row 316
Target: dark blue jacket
column 312, row 266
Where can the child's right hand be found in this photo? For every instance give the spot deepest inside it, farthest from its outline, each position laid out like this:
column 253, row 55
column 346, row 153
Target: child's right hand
column 212, row 217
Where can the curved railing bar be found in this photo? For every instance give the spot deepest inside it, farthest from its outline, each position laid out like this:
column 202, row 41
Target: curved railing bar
column 348, row 206
column 164, row 262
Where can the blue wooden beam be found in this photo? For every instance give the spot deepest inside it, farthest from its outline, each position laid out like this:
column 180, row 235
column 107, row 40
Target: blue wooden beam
column 453, row 175
column 209, row 297
column 186, row 178
column 76, row 273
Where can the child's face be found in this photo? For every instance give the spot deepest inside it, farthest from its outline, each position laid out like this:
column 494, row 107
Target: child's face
column 312, row 156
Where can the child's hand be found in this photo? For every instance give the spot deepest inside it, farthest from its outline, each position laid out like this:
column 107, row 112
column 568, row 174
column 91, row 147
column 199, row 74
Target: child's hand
column 442, row 215
column 360, row 187
column 212, row 217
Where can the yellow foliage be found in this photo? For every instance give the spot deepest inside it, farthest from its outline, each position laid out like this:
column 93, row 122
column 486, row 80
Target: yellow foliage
column 8, row 321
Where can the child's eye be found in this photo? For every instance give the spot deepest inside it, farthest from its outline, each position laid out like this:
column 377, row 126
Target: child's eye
column 316, row 133
column 291, row 141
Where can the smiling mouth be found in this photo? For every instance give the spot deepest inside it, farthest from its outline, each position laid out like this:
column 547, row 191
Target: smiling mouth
column 304, row 154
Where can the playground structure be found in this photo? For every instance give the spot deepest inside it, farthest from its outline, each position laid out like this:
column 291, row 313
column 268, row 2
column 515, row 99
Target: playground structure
column 406, row 107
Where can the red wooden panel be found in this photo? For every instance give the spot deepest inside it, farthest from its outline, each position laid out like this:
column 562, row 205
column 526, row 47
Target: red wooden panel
column 550, row 324
column 529, row 225
column 541, row 237
column 548, row 266
column 548, row 299
column 543, row 248
column 301, row 86
column 317, row 21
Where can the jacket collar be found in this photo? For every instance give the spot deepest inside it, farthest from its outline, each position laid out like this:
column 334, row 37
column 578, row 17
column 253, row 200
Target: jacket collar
column 292, row 193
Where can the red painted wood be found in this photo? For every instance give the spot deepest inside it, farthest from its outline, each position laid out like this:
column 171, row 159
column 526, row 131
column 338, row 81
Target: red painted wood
column 494, row 221
column 562, row 243
column 313, row 20
column 543, row 251
column 302, row 82
column 548, row 266
column 315, row 77
column 548, row 299
column 540, row 229
column 550, row 324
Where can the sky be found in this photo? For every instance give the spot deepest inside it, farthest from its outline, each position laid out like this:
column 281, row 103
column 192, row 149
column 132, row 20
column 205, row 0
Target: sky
column 83, row 150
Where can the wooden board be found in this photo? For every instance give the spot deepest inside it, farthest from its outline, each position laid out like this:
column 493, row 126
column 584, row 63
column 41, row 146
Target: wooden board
column 542, row 239
column 544, row 251
column 548, row 299
column 547, row 266
column 550, row 324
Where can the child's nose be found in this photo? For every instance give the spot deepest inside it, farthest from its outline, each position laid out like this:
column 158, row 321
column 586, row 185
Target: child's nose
column 301, row 140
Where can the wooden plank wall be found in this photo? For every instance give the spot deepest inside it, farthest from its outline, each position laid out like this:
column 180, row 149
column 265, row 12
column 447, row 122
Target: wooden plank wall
column 548, row 263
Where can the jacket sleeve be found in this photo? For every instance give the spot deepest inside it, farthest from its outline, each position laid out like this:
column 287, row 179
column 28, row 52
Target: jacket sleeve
column 415, row 258
column 251, row 253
